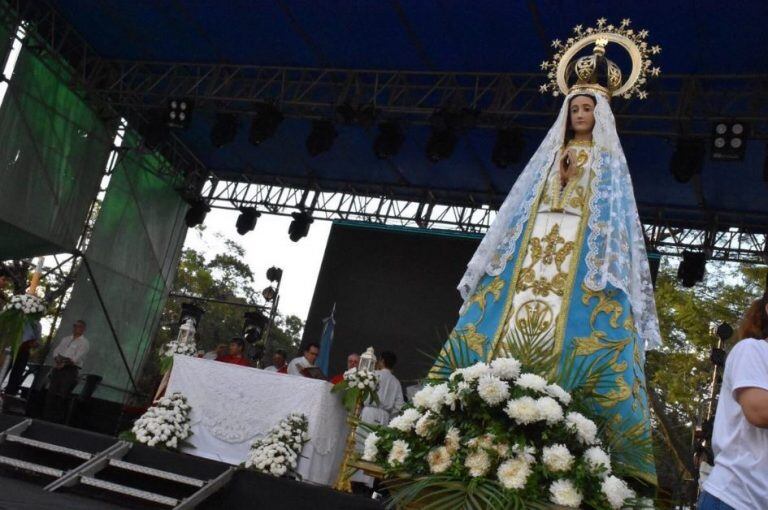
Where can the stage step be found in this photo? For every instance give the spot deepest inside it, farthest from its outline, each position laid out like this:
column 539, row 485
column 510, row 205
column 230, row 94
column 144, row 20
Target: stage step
column 157, row 473
column 42, row 445
column 30, row 466
column 128, row 491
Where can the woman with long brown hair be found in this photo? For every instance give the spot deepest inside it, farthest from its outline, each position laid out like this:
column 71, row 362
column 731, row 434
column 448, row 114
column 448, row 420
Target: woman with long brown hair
column 739, row 479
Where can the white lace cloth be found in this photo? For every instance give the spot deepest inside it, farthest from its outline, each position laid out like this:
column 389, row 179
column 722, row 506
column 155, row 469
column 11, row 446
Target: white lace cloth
column 232, row 405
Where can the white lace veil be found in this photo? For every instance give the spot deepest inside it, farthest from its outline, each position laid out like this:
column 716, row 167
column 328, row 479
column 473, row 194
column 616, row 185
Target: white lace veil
column 616, row 246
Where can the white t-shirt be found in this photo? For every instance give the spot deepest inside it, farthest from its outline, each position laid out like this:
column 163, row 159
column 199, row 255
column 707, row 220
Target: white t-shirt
column 73, row 348
column 740, row 475
column 297, row 364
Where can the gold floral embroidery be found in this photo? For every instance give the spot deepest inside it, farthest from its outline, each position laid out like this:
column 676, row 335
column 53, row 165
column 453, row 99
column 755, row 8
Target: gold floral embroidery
column 492, row 287
column 471, row 337
column 552, row 249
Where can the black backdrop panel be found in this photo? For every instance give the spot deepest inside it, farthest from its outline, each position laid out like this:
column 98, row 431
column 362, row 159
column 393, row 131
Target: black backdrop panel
column 394, row 289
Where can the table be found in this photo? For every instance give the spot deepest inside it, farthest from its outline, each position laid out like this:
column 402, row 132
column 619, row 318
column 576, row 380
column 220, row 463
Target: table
column 232, row 405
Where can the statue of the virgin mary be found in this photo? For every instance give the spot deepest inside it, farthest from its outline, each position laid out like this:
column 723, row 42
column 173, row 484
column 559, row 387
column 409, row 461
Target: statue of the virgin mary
column 562, row 274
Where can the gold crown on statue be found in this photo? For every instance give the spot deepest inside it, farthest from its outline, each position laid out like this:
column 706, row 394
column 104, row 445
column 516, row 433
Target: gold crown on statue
column 568, row 73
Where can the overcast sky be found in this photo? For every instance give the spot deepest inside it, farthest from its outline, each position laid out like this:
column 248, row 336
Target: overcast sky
column 268, row 245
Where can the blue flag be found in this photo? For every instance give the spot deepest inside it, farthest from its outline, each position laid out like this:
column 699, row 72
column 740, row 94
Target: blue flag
column 326, row 340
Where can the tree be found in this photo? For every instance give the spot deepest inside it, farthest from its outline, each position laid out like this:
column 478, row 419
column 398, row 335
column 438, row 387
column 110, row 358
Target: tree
column 223, row 276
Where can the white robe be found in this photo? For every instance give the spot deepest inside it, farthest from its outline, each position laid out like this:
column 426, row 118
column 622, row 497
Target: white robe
column 390, row 401
column 297, row 364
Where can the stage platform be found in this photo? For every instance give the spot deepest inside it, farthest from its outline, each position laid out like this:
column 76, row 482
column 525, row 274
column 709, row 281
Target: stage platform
column 44, row 465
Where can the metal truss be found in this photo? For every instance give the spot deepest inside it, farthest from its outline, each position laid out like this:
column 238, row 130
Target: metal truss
column 720, row 241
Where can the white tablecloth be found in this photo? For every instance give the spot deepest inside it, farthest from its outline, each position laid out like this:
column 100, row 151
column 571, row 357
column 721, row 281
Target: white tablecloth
column 233, row 405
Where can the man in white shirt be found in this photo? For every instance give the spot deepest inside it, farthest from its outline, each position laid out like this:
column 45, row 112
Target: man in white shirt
column 297, row 365
column 68, row 359
column 278, row 363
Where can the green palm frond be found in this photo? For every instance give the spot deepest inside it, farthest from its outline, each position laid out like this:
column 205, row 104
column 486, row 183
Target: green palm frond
column 531, row 348
column 440, row 492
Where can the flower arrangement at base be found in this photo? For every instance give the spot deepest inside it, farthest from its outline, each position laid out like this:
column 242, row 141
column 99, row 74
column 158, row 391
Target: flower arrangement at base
column 184, row 344
column 495, row 436
column 362, row 384
column 277, row 453
column 22, row 309
column 165, row 424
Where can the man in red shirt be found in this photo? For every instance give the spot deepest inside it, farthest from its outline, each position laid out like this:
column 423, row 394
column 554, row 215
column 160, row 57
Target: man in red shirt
column 235, row 356
column 352, row 361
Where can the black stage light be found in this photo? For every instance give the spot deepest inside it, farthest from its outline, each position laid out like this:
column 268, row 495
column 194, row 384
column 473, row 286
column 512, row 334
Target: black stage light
column 224, row 129
column 274, row 274
column 269, row 294
column 196, row 213
column 688, row 159
column 266, row 120
column 192, row 185
column 692, row 268
column 191, row 311
column 247, row 220
column 254, row 324
column 724, row 331
column 179, row 113
column 299, row 226
column 441, row 144
column 729, row 141
column 389, row 140
column 508, row 148
column 321, row 137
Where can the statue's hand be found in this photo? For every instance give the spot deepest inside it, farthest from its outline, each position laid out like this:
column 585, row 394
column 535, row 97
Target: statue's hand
column 568, row 167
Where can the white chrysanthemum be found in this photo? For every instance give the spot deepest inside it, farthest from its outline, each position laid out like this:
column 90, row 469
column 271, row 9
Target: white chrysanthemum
column 549, row 410
column 505, row 368
column 478, row 463
column 422, row 397
column 557, row 458
column 523, row 410
column 453, row 440
column 492, row 390
column 431, row 397
column 514, row 473
column 405, row 421
column 563, row 492
column 527, row 452
column 400, row 451
column 439, row 459
column 370, row 449
column 616, row 491
column 475, row 371
column 585, row 429
column 424, row 424
column 484, row 441
column 596, row 458
column 554, row 390
column 532, row 382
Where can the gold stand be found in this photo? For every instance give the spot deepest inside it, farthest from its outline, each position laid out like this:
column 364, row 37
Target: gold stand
column 345, row 470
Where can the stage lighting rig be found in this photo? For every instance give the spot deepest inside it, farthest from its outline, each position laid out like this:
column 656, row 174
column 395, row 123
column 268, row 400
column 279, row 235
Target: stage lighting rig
column 729, row 141
column 299, row 227
column 321, row 137
column 267, row 118
column 274, row 274
column 441, row 144
column 247, row 220
column 191, row 311
column 197, row 212
column 224, row 129
column 269, row 294
column 364, row 115
column 692, row 268
column 179, row 113
column 508, row 148
column 389, row 140
column 688, row 159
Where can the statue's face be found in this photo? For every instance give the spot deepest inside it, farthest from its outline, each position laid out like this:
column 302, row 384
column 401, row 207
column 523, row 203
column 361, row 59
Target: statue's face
column 582, row 114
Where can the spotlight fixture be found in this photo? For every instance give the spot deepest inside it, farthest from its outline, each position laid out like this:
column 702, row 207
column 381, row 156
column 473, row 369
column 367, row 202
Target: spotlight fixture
column 299, row 226
column 247, row 220
column 508, row 148
column 729, row 141
column 688, row 159
column 224, row 129
column 179, row 113
column 192, row 185
column 321, row 137
column 266, row 120
column 389, row 140
column 692, row 268
column 196, row 213
column 441, row 144
column 269, row 294
column 274, row 274
column 254, row 324
column 191, row 311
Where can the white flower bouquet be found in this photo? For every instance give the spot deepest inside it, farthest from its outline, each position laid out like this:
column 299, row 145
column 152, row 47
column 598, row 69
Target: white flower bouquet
column 500, row 437
column 277, row 453
column 358, row 383
column 173, row 347
column 165, row 424
column 28, row 304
